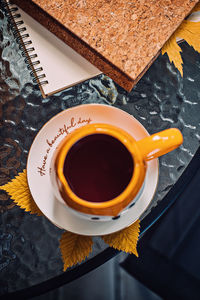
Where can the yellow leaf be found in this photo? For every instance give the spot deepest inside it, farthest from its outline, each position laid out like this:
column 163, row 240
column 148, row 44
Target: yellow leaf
column 173, row 51
column 196, row 8
column 19, row 191
column 125, row 240
column 190, row 32
column 74, row 248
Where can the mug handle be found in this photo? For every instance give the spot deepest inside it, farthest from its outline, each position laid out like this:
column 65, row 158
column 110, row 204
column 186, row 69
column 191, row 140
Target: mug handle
column 160, row 143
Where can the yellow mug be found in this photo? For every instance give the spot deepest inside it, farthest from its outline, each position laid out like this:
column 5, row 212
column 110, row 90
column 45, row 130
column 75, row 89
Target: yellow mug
column 138, row 151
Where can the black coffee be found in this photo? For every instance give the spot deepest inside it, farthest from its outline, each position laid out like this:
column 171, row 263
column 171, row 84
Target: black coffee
column 98, row 168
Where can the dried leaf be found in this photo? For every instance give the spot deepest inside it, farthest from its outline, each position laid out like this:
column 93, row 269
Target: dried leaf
column 19, row 191
column 125, row 240
column 74, row 248
column 190, row 32
column 173, row 51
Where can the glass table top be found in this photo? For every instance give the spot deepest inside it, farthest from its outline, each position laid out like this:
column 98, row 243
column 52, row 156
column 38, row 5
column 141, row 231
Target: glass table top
column 29, row 245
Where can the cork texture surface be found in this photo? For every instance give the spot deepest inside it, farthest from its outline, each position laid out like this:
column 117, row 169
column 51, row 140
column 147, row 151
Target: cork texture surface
column 122, row 38
column 127, row 33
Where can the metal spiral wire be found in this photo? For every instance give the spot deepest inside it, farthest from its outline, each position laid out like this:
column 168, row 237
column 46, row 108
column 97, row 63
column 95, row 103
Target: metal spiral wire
column 21, row 36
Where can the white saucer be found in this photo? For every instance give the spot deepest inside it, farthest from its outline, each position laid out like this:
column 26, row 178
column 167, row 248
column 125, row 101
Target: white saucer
column 40, row 155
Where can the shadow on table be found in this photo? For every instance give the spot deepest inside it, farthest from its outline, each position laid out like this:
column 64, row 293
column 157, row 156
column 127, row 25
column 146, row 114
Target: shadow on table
column 108, row 282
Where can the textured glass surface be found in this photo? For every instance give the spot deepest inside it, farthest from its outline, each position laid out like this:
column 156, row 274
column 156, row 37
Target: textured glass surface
column 29, row 245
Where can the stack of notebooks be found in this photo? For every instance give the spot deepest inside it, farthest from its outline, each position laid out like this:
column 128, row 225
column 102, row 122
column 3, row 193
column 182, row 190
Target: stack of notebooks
column 67, row 42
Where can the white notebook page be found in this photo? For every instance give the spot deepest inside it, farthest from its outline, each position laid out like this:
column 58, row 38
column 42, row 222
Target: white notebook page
column 62, row 66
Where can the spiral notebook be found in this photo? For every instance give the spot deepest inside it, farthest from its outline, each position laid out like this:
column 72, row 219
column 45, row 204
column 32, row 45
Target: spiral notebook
column 54, row 65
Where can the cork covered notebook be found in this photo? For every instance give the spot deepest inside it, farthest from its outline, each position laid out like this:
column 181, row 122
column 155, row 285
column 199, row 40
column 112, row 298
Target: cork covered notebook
column 120, row 37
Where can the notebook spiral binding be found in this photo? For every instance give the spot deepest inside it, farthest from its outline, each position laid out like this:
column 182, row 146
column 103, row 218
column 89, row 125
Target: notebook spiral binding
column 25, row 45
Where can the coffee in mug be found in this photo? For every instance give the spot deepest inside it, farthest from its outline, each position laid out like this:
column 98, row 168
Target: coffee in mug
column 98, row 169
